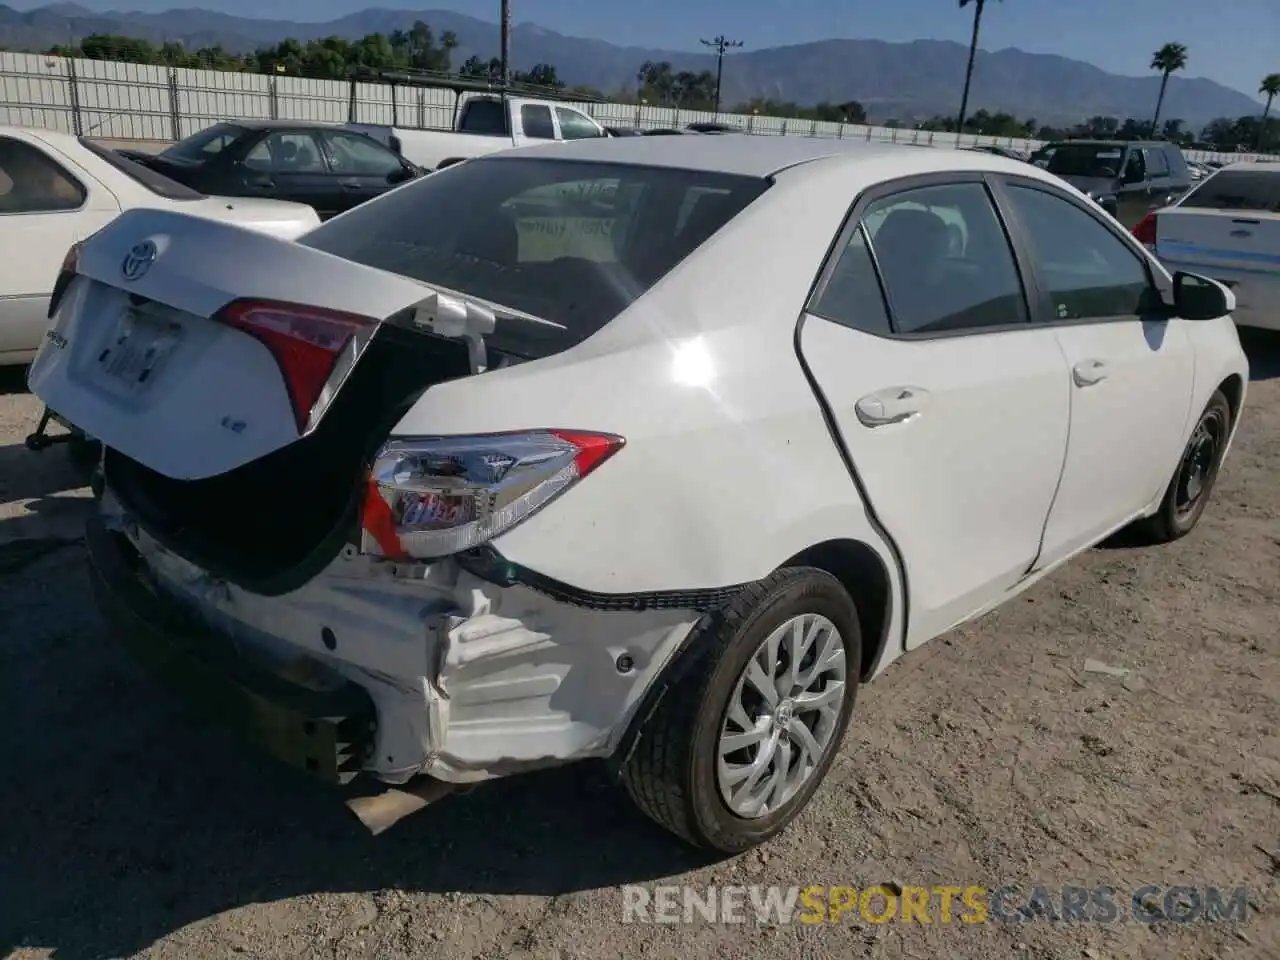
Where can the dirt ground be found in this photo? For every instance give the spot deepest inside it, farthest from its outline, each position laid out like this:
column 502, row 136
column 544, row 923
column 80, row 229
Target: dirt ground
column 990, row 757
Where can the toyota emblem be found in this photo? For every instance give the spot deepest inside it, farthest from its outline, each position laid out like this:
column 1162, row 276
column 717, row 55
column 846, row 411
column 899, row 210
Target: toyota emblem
column 138, row 260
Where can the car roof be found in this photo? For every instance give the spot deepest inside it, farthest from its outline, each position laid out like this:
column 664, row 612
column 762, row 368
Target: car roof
column 281, row 124
column 754, row 156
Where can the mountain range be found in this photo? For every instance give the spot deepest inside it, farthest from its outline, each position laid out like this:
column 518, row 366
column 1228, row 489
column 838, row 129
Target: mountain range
column 906, row 81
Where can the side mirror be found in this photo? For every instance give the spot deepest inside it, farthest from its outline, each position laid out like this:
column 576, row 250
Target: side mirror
column 1199, row 298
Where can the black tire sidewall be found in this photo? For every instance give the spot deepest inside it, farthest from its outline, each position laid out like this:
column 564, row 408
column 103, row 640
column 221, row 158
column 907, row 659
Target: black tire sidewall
column 1181, row 526
column 813, row 591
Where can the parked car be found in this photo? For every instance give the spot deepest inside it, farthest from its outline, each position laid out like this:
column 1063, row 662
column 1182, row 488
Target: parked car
column 526, row 466
column 1228, row 228
column 322, row 165
column 1127, row 179
column 56, row 189
column 486, row 123
column 624, row 131
column 707, row 126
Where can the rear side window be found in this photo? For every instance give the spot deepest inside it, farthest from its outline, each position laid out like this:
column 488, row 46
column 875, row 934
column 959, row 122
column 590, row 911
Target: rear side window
column 1256, row 190
column 852, row 295
column 484, row 116
column 570, row 242
column 32, row 182
column 944, row 260
column 1157, row 162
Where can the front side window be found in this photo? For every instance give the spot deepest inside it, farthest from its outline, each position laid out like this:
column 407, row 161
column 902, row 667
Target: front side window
column 289, row 151
column 573, row 243
column 1086, row 270
column 33, row 182
column 359, row 156
column 945, row 262
column 1157, row 162
column 574, row 126
column 536, row 120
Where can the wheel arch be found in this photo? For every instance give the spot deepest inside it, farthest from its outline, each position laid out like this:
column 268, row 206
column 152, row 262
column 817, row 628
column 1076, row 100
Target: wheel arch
column 863, row 574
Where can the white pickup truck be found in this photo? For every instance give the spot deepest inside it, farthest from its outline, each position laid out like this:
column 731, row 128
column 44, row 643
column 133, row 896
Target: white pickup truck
column 1227, row 227
column 486, row 123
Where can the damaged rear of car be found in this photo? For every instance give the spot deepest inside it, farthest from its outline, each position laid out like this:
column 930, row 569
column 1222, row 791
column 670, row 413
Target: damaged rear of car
column 305, row 476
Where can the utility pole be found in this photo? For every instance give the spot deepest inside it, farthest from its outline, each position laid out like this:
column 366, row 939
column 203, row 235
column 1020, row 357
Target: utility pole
column 721, row 45
column 505, row 27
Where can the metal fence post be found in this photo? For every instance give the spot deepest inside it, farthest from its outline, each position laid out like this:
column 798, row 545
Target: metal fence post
column 784, row 127
column 175, row 117
column 273, row 98
column 73, row 95
column 422, row 110
column 395, row 109
column 351, row 103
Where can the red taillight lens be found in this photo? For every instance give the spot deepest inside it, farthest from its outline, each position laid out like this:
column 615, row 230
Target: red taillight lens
column 306, row 342
column 1145, row 231
column 66, row 273
column 437, row 496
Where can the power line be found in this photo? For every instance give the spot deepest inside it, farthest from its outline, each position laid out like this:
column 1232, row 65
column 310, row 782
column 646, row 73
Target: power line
column 721, row 45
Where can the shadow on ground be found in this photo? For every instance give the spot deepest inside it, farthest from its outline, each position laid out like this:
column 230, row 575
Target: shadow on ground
column 13, row 380
column 124, row 822
column 28, row 475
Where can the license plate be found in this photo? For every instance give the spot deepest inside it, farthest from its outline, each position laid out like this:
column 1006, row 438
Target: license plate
column 140, row 346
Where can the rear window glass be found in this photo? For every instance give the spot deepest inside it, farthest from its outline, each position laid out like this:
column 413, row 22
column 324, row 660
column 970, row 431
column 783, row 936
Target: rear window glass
column 207, row 143
column 570, row 242
column 157, row 183
column 1238, row 190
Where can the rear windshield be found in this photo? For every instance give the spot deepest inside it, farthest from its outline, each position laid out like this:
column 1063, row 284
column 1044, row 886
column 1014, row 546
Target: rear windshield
column 157, row 183
column 571, row 242
column 1257, row 190
column 208, row 143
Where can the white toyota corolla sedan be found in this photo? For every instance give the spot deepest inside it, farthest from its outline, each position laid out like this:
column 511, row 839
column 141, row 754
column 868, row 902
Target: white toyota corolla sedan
column 646, row 449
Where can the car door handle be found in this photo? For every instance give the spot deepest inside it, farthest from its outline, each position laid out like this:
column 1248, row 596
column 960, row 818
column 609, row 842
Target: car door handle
column 893, row 405
column 351, row 184
column 1088, row 372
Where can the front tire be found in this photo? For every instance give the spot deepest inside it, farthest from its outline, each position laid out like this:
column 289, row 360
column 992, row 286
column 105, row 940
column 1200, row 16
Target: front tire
column 1193, row 480
column 741, row 740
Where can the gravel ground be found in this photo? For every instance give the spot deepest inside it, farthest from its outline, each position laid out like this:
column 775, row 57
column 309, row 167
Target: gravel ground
column 991, row 757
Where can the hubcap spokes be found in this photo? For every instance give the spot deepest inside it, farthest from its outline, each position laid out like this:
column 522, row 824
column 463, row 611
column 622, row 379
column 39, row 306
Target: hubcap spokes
column 782, row 716
column 1197, row 465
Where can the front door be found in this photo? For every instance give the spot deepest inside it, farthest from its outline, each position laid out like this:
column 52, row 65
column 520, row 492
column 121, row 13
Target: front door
column 363, row 167
column 1131, row 366
column 953, row 407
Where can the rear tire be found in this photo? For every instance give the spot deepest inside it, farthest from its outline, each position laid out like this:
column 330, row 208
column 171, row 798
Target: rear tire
column 687, row 768
column 1192, row 482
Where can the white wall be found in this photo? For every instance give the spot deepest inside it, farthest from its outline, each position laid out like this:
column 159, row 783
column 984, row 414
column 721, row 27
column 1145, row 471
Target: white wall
column 127, row 101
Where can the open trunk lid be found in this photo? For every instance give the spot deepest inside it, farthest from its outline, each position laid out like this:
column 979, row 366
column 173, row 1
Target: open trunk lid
column 141, row 354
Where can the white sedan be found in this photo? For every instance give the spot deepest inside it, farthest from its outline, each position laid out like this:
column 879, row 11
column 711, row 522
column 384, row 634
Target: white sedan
column 643, row 449
column 56, row 190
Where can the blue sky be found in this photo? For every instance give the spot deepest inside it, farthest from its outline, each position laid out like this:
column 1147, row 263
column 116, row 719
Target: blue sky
column 1236, row 48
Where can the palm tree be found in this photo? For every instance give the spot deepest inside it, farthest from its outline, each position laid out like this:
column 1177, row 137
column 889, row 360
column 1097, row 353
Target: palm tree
column 1168, row 59
column 978, row 6
column 1270, row 87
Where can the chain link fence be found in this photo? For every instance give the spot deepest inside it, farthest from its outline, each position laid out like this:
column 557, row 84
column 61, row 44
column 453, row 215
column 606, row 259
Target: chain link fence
column 145, row 102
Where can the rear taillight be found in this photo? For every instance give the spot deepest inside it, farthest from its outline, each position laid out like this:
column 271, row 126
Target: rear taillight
column 66, row 273
column 1145, row 231
column 438, row 496
column 313, row 347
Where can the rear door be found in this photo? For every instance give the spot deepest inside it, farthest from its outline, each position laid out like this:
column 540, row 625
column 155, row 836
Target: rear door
column 1228, row 228
column 290, row 165
column 1132, row 367
column 953, row 407
column 363, row 168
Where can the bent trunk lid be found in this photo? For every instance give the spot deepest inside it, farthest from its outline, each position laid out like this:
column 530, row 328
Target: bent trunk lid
column 134, row 357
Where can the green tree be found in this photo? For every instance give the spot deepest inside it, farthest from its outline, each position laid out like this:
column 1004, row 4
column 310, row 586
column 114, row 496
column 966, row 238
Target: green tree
column 1169, row 59
column 978, row 7
column 542, row 75
column 1269, row 88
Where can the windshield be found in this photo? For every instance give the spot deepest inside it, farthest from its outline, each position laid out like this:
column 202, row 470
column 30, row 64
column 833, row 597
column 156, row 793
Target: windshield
column 1237, row 190
column 157, row 183
column 210, row 141
column 1081, row 159
column 571, row 242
